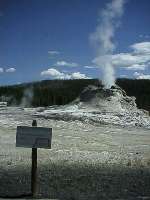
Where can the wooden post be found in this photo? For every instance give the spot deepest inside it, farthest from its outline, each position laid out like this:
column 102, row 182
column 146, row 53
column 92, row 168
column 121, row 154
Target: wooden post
column 34, row 168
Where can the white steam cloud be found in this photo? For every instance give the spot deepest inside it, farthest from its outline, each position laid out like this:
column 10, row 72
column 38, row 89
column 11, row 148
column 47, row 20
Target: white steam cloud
column 103, row 39
column 27, row 98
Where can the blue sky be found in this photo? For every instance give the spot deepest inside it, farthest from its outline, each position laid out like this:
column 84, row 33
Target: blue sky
column 48, row 39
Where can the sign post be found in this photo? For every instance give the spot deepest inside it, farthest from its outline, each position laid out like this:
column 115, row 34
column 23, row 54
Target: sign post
column 34, row 167
column 33, row 137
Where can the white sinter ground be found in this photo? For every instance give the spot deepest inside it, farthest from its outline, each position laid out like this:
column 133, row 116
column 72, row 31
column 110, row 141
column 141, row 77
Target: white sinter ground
column 101, row 127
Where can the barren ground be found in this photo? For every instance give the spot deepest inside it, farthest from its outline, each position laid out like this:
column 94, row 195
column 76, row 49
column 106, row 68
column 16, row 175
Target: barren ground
column 86, row 161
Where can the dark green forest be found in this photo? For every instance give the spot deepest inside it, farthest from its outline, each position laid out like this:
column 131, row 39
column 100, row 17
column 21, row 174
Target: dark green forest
column 60, row 92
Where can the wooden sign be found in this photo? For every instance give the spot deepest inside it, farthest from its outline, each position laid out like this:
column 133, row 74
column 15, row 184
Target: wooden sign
column 33, row 137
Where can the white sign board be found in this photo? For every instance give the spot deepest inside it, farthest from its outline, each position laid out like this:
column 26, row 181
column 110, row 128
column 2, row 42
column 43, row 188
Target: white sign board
column 33, row 137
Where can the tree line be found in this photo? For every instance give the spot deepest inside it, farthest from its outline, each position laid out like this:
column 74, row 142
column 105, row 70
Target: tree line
column 61, row 92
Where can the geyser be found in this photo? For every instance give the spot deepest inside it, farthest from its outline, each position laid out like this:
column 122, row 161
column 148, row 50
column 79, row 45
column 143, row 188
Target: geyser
column 103, row 37
column 99, row 105
column 113, row 99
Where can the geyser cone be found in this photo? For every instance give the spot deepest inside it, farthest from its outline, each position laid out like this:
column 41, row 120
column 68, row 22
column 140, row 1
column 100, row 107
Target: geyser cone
column 113, row 99
column 98, row 105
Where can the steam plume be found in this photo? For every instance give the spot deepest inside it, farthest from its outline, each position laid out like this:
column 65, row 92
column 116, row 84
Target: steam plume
column 27, row 97
column 103, row 39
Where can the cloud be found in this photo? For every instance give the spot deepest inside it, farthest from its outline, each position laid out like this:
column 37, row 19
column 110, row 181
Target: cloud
column 137, row 59
column 90, row 67
column 137, row 67
column 141, row 48
column 136, row 74
column 54, row 73
column 66, row 64
column 53, row 53
column 144, row 76
column 123, row 76
column 141, row 75
column 1, row 70
column 11, row 70
column 130, row 61
column 78, row 75
column 144, row 36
